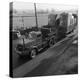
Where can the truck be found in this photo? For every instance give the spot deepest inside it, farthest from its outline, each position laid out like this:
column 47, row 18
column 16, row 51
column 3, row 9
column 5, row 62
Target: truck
column 58, row 27
column 36, row 41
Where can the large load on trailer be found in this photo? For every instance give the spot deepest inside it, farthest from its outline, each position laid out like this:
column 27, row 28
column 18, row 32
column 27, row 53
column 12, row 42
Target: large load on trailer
column 63, row 23
column 52, row 19
column 66, row 20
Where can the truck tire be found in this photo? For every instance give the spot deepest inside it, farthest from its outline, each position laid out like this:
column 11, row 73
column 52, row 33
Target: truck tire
column 33, row 53
column 51, row 42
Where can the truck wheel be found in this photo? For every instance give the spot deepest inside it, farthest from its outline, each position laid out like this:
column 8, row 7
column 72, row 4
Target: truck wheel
column 51, row 42
column 33, row 53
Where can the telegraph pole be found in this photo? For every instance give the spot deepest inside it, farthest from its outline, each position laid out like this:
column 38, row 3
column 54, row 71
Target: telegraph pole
column 36, row 15
column 22, row 21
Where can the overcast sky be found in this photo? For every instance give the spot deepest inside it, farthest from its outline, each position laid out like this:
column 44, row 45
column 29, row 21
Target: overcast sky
column 30, row 6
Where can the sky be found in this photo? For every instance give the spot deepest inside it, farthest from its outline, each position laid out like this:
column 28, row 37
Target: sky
column 30, row 6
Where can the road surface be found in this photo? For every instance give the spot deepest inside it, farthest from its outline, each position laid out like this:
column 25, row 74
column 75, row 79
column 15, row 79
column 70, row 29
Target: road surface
column 17, row 61
column 41, row 64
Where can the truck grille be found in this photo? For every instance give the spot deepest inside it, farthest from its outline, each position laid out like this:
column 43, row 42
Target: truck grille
column 20, row 48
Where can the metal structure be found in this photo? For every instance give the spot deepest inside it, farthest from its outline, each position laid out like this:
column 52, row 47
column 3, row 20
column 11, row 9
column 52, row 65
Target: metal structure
column 36, row 15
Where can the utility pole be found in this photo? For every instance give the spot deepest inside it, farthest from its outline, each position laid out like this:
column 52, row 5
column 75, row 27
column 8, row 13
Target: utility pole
column 36, row 15
column 22, row 21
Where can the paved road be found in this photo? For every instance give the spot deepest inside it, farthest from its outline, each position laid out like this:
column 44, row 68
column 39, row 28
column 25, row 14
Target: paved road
column 17, row 61
column 66, row 63
column 38, row 64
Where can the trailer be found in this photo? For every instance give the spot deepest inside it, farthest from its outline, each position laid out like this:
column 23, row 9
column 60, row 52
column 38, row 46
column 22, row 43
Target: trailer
column 63, row 23
column 67, row 20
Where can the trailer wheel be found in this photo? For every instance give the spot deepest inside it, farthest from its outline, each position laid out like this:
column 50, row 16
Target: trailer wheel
column 33, row 53
column 51, row 42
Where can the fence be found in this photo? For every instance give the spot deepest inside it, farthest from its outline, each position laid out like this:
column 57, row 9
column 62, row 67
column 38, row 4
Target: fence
column 29, row 21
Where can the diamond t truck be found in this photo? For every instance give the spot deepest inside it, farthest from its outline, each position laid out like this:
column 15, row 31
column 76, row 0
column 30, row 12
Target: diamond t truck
column 35, row 42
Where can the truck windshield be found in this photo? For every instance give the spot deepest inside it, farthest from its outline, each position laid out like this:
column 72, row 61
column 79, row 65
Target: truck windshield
column 34, row 35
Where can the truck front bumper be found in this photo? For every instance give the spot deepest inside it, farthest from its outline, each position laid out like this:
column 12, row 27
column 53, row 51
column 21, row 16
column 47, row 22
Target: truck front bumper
column 22, row 53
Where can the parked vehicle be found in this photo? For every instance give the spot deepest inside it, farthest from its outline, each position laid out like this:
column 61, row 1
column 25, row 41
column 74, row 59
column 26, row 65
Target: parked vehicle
column 35, row 42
